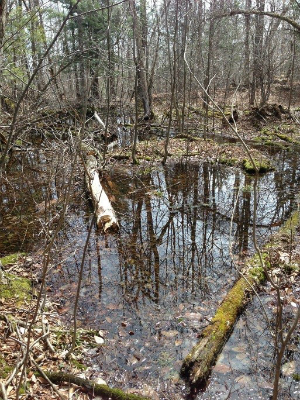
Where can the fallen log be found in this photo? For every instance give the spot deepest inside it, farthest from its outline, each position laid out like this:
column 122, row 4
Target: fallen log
column 199, row 362
column 96, row 389
column 105, row 215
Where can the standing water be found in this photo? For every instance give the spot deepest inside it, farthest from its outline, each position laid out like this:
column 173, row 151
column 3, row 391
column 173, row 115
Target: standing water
column 152, row 287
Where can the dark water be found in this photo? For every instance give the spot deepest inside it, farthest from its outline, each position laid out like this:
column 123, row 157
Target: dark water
column 151, row 288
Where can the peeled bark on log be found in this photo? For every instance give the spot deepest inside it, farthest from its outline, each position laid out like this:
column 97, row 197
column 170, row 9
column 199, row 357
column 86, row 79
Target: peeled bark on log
column 199, row 362
column 99, row 390
column 105, row 215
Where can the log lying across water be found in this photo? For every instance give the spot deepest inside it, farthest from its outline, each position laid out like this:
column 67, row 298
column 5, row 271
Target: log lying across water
column 199, row 362
column 105, row 215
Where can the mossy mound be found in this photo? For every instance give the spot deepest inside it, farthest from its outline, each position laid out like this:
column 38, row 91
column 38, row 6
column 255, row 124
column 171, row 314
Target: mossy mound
column 10, row 259
column 262, row 166
column 5, row 369
column 11, row 286
column 15, row 288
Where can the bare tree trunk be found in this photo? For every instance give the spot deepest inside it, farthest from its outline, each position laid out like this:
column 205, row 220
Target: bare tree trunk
column 210, row 55
column 140, row 60
column 247, row 49
column 173, row 76
column 2, row 32
column 257, row 68
column 293, row 45
column 2, row 20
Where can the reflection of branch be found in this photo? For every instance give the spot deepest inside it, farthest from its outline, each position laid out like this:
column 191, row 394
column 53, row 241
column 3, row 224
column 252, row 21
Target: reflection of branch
column 237, row 269
column 281, row 353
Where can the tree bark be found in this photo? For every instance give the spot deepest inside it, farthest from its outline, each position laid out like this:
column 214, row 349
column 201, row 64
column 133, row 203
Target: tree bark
column 140, row 60
column 2, row 32
column 2, row 20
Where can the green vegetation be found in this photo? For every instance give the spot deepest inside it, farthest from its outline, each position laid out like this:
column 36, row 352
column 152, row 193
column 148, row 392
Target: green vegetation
column 228, row 161
column 14, row 287
column 5, row 369
column 10, row 259
column 263, row 165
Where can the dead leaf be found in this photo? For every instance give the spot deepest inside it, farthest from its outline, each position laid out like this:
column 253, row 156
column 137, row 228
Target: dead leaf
column 99, row 340
column 169, row 334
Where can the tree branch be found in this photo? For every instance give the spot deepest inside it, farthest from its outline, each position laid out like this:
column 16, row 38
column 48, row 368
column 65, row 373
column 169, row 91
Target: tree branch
column 281, row 16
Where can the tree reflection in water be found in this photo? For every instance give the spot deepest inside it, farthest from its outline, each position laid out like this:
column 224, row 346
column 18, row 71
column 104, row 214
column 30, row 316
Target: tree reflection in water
column 153, row 286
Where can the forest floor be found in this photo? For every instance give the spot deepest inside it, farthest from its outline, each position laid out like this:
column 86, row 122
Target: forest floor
column 52, row 339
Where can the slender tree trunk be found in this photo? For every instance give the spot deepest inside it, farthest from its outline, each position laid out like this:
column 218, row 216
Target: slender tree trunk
column 247, row 49
column 2, row 20
column 141, row 62
column 2, row 32
column 257, row 69
column 208, row 75
column 173, row 76
column 293, row 45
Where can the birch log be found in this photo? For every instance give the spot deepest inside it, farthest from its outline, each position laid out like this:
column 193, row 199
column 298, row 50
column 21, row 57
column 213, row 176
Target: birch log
column 105, row 214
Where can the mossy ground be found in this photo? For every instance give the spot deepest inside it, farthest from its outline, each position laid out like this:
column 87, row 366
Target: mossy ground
column 262, row 166
column 5, row 369
column 12, row 286
column 10, row 259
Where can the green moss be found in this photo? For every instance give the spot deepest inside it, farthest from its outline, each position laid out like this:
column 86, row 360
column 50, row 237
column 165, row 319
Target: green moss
column 78, row 365
column 15, row 288
column 289, row 268
column 258, row 274
column 5, row 369
column 296, row 377
column 289, row 227
column 286, row 138
column 11, row 259
column 262, row 166
column 228, row 161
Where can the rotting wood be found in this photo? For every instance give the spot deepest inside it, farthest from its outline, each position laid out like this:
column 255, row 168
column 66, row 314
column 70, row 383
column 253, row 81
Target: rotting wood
column 105, row 215
column 199, row 362
column 98, row 390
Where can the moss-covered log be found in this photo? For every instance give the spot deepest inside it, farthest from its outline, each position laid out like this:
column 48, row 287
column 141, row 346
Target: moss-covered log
column 98, row 390
column 198, row 363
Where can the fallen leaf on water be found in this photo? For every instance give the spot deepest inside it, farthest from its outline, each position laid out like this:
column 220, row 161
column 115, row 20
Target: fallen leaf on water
column 222, row 368
column 192, row 315
column 243, row 379
column 99, row 340
column 289, row 368
column 241, row 356
column 169, row 334
column 265, row 384
column 100, row 381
